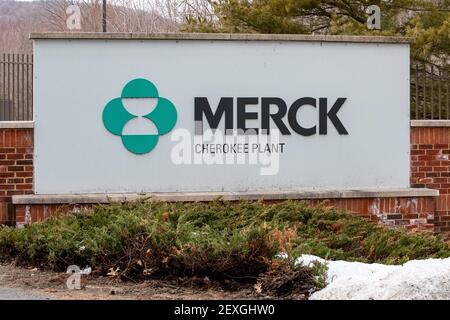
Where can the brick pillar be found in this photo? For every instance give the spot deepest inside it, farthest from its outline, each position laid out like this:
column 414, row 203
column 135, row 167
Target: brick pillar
column 430, row 165
column 16, row 166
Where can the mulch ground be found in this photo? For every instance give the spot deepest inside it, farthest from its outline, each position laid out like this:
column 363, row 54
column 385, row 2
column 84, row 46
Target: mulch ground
column 53, row 285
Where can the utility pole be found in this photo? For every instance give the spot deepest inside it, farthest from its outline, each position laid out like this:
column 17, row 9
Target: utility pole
column 104, row 16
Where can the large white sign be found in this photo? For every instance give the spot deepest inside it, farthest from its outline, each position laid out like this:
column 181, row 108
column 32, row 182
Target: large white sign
column 212, row 115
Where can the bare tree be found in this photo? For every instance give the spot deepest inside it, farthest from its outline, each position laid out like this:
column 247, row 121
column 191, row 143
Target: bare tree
column 122, row 15
column 18, row 19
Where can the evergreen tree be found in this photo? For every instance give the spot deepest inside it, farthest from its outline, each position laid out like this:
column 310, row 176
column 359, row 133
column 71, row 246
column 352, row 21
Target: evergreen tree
column 427, row 21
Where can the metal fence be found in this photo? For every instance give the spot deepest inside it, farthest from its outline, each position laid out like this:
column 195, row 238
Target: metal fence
column 429, row 91
column 16, row 87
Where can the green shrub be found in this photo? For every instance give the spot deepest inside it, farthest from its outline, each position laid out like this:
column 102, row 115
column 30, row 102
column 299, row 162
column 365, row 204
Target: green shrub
column 216, row 239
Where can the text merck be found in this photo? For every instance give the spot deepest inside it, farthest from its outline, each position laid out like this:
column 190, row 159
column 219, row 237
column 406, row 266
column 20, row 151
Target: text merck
column 225, row 109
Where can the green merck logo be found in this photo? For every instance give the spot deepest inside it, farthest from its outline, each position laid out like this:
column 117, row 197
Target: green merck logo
column 116, row 116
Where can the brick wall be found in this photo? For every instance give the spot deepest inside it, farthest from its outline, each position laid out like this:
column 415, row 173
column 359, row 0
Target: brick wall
column 16, row 168
column 403, row 212
column 430, row 167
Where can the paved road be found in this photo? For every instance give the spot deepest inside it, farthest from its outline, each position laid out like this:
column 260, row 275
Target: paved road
column 19, row 294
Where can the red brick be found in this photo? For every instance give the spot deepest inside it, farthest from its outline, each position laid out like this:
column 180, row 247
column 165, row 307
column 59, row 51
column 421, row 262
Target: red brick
column 432, row 152
column 16, row 168
column 426, row 158
column 435, row 175
column 24, row 187
column 7, row 163
column 417, row 152
column 24, row 174
column 16, row 192
column 24, row 162
column 15, row 156
column 6, row 174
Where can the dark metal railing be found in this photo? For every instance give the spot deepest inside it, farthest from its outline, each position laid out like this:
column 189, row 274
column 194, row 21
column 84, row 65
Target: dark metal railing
column 16, row 87
column 430, row 97
column 429, row 92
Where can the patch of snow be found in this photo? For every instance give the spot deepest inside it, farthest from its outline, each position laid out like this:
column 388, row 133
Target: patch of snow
column 281, row 255
column 416, row 279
